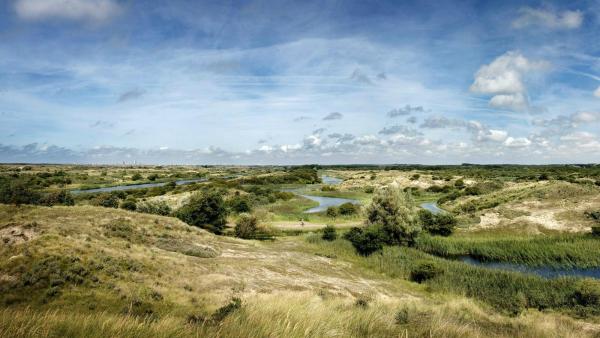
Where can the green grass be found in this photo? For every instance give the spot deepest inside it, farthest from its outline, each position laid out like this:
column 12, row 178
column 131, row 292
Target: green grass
column 571, row 251
column 506, row 291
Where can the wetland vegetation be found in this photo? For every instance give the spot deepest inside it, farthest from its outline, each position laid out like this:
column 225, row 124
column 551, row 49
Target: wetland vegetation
column 235, row 253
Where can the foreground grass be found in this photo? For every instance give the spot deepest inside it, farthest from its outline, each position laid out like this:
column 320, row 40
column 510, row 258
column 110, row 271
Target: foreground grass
column 303, row 315
column 572, row 250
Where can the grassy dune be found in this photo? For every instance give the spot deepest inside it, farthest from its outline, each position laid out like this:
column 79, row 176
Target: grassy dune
column 97, row 272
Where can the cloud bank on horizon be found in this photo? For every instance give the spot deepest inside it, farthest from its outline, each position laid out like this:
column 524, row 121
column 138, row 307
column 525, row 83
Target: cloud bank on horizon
column 282, row 82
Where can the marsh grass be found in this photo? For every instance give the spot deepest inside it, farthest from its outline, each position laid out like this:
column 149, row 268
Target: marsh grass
column 563, row 250
column 507, row 292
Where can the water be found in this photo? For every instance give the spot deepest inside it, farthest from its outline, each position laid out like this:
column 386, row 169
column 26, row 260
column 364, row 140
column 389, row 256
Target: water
column 433, row 207
column 135, row 186
column 326, row 202
column 331, row 180
column 546, row 272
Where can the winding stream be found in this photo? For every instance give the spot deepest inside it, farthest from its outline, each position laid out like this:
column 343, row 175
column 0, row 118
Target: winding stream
column 546, row 272
column 134, row 186
column 326, row 202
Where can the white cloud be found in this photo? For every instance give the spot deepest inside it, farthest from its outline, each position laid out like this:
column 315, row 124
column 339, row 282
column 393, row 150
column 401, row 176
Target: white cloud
column 518, row 142
column 579, row 137
column 547, row 18
column 516, row 101
column 504, row 79
column 493, row 135
column 93, row 10
column 597, row 92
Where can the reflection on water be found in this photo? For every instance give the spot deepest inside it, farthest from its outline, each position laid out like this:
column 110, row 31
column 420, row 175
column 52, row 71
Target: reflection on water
column 546, row 272
column 331, row 180
column 326, row 202
column 433, row 207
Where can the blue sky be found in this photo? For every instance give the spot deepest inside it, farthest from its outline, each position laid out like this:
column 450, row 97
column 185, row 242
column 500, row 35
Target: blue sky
column 286, row 82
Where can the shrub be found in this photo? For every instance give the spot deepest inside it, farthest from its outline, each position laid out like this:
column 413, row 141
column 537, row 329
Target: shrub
column 329, row 233
column 246, row 226
column 206, row 210
column 347, row 209
column 224, row 311
column 62, row 197
column 365, row 241
column 152, row 177
column 459, row 183
column 394, row 211
column 415, row 177
column 425, row 271
column 332, row 211
column 156, row 208
column 369, row 189
column 437, row 224
column 106, row 200
column 596, row 230
column 239, row 204
column 588, row 293
column 129, row 204
column 136, row 177
column 17, row 192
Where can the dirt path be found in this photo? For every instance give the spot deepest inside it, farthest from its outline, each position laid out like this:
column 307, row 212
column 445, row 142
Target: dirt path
column 297, row 225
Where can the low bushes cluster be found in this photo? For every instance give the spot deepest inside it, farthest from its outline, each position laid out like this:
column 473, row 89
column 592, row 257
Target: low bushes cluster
column 442, row 224
column 206, row 210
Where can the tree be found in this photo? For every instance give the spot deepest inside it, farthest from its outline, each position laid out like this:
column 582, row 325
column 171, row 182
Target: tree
column 329, row 233
column 18, row 192
column 437, row 224
column 394, row 211
column 331, row 212
column 239, row 204
column 129, row 204
column 365, row 241
column 205, row 210
column 347, row 209
column 246, row 226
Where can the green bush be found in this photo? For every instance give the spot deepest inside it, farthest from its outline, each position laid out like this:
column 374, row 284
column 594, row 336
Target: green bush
column 156, row 208
column 394, row 211
column 136, row 177
column 332, row 211
column 425, row 271
column 205, row 210
column 17, row 191
column 129, row 204
column 106, row 200
column 246, row 226
column 347, row 209
column 239, row 204
column 459, row 183
column 588, row 293
column 437, row 224
column 329, row 233
column 365, row 241
column 61, row 197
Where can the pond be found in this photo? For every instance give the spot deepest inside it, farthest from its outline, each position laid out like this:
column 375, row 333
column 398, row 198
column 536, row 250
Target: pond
column 135, row 186
column 546, row 272
column 324, row 202
column 432, row 207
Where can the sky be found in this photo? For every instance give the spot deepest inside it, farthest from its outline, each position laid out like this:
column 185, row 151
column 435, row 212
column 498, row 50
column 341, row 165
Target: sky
column 296, row 82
